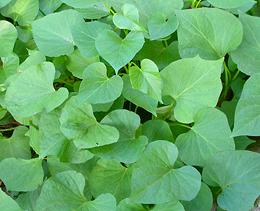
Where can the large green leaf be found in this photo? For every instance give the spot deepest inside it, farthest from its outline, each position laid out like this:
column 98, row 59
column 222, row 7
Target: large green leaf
column 9, row 67
column 16, row 146
column 7, row 203
column 230, row 4
column 237, row 173
column 137, row 97
column 202, row 202
column 247, row 115
column 8, row 36
column 117, row 51
column 97, row 88
column 214, row 33
column 250, row 46
column 77, row 63
column 147, row 79
column 109, row 176
column 85, row 34
column 21, row 175
column 4, row 2
column 53, row 33
column 209, row 134
column 129, row 19
column 125, row 121
column 172, row 205
column 155, row 180
column 127, row 151
column 63, row 191
column 49, row 6
column 79, row 124
column 200, row 85
column 21, row 11
column 32, row 91
column 101, row 203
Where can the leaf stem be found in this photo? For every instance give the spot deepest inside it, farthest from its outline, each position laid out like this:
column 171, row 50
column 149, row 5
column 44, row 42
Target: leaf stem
column 198, row 3
column 226, row 81
column 7, row 129
column 236, row 75
column 180, row 124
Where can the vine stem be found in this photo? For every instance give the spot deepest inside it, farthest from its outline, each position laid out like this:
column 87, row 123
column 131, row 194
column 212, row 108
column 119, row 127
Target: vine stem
column 226, row 82
column 180, row 124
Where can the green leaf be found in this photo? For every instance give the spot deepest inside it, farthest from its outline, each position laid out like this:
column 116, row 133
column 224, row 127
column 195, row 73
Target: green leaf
column 97, row 88
column 16, row 146
column 127, row 151
column 249, row 46
column 7, row 203
column 247, row 115
column 53, row 33
column 4, row 2
column 80, row 3
column 63, row 191
column 230, row 4
column 172, row 205
column 137, row 97
column 162, row 56
column 202, row 202
column 49, row 6
column 129, row 19
column 85, row 34
column 156, row 130
column 155, row 180
column 125, row 121
column 77, row 63
column 78, row 123
column 200, row 85
column 101, row 203
column 160, row 26
column 109, row 176
column 209, row 134
column 123, row 50
column 32, row 91
column 8, row 36
column 21, row 175
column 9, row 67
column 237, row 173
column 147, row 79
column 23, row 12
column 214, row 33
column 128, row 205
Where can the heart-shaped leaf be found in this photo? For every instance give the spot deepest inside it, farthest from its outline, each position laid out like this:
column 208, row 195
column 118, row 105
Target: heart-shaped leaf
column 117, row 51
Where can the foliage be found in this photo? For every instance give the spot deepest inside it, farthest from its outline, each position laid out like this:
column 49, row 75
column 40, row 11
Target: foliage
column 129, row 105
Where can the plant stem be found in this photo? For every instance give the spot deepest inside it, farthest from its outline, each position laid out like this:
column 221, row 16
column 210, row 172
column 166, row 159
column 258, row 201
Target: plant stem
column 198, row 3
column 180, row 124
column 226, row 82
column 7, row 129
column 236, row 75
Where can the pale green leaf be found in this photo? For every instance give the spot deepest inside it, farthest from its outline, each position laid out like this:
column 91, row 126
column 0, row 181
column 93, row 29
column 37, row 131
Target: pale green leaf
column 147, row 79
column 138, row 98
column 194, row 83
column 247, row 55
column 32, row 91
column 209, row 134
column 21, row 175
column 214, row 33
column 8, row 36
column 77, row 63
column 97, row 88
column 123, row 50
column 109, row 176
column 230, row 4
column 247, row 114
column 155, row 180
column 101, row 203
column 16, row 146
column 53, row 33
column 79, row 124
column 7, row 203
column 237, row 173
column 85, row 34
column 63, row 191
column 125, row 121
column 21, row 11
